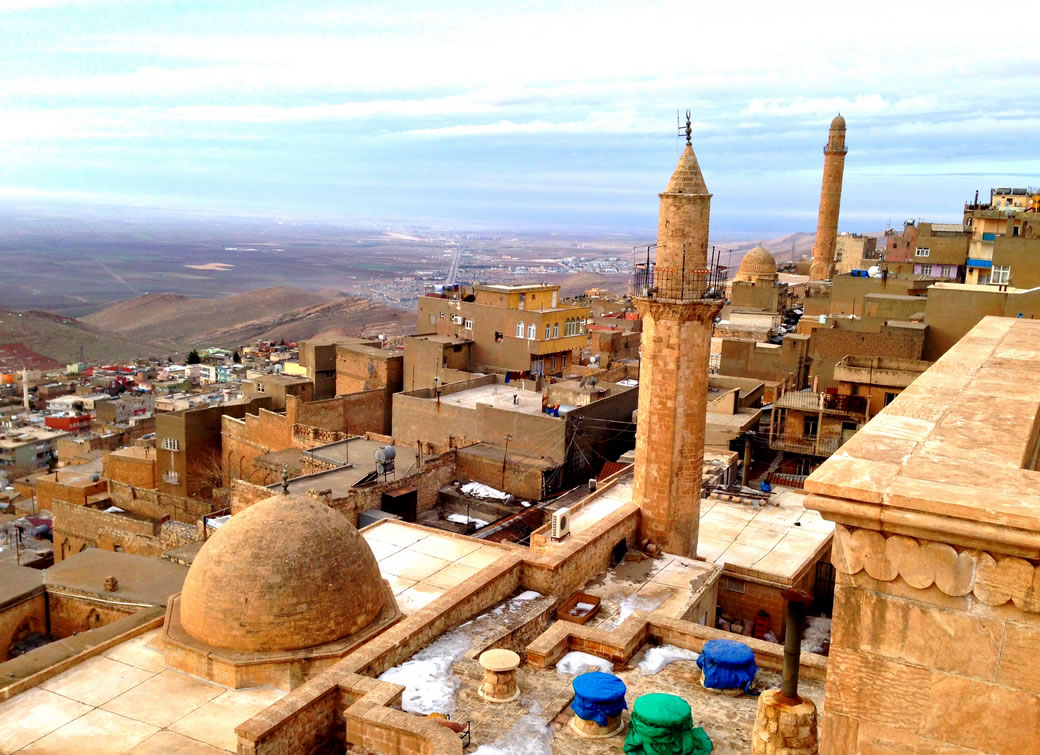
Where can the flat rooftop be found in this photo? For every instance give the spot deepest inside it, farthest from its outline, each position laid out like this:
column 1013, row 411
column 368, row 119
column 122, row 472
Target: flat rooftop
column 17, row 582
column 774, row 542
column 141, row 579
column 126, row 700
column 498, row 395
column 422, row 564
column 360, row 453
column 958, row 445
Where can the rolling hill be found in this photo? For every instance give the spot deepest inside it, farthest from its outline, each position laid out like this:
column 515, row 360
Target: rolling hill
column 66, row 339
column 176, row 322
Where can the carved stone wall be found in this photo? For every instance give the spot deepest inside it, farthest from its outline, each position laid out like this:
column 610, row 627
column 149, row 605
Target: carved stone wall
column 932, row 648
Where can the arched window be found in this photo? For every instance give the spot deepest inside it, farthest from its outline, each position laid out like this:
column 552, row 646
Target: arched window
column 520, row 329
column 532, row 331
column 556, row 330
column 548, row 331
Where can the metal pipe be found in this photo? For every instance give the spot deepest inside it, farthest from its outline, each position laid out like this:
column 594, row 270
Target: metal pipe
column 796, row 601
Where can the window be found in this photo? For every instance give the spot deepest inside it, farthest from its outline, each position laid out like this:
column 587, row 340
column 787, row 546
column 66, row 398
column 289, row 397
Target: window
column 556, row 330
column 532, row 331
column 498, row 337
column 809, row 426
column 548, row 331
column 260, row 388
column 171, row 444
column 520, row 330
column 468, row 325
column 171, row 477
column 946, row 271
column 922, row 251
column 734, row 585
column 889, row 397
column 1001, row 275
column 563, row 366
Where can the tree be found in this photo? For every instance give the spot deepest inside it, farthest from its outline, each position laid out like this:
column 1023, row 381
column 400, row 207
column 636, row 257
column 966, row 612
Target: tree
column 193, row 357
column 236, row 357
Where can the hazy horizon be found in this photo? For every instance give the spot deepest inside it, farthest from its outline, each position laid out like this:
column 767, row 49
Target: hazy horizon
column 535, row 117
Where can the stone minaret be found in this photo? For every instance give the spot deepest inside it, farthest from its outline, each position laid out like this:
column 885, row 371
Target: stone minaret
column 830, row 202
column 676, row 342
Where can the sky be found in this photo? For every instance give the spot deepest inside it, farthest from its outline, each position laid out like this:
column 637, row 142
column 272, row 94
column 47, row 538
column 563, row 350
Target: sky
column 556, row 115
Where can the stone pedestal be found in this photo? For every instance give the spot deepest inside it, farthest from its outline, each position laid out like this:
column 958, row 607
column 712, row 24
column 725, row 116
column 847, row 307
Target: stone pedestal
column 499, row 684
column 592, row 730
column 780, row 727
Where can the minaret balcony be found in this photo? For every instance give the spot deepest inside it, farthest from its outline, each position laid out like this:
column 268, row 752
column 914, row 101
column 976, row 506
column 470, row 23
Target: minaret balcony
column 669, row 284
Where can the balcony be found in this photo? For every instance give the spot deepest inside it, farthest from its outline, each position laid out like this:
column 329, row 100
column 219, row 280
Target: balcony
column 811, row 445
column 827, row 403
column 557, row 345
column 666, row 284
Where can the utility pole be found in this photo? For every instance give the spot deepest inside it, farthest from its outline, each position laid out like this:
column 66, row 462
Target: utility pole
column 745, row 474
column 505, row 454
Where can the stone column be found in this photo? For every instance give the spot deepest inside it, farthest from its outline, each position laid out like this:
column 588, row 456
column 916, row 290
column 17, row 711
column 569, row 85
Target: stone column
column 499, row 684
column 782, row 726
column 673, row 384
column 830, row 202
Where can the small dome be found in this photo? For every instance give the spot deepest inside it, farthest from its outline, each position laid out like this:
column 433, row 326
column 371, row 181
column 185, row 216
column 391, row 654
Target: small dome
column 758, row 264
column 286, row 573
column 838, row 122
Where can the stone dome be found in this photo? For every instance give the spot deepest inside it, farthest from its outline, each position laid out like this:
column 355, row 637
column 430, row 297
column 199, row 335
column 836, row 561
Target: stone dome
column 757, row 265
column 286, row 573
column 838, row 122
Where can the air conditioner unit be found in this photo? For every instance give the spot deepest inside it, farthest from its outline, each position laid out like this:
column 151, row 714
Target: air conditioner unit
column 457, row 319
column 561, row 523
column 592, row 484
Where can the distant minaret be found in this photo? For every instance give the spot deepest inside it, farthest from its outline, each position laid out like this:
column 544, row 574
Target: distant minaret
column 830, row 202
column 25, row 388
column 673, row 375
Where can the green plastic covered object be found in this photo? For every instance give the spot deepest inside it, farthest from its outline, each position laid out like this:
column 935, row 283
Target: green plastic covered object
column 663, row 725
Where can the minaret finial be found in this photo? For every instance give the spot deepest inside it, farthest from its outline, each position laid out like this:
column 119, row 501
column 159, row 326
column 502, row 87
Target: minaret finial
column 689, row 130
column 285, row 479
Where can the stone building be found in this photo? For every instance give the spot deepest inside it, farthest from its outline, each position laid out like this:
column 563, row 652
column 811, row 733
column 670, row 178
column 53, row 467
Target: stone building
column 783, row 366
column 756, row 286
column 543, row 452
column 25, row 449
column 350, row 365
column 941, row 250
column 880, row 379
column 278, row 387
column 853, row 251
column 868, row 337
column 188, row 443
column 524, row 329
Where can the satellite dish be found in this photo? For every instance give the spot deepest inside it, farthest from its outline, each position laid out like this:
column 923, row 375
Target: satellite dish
column 592, row 381
column 581, row 383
